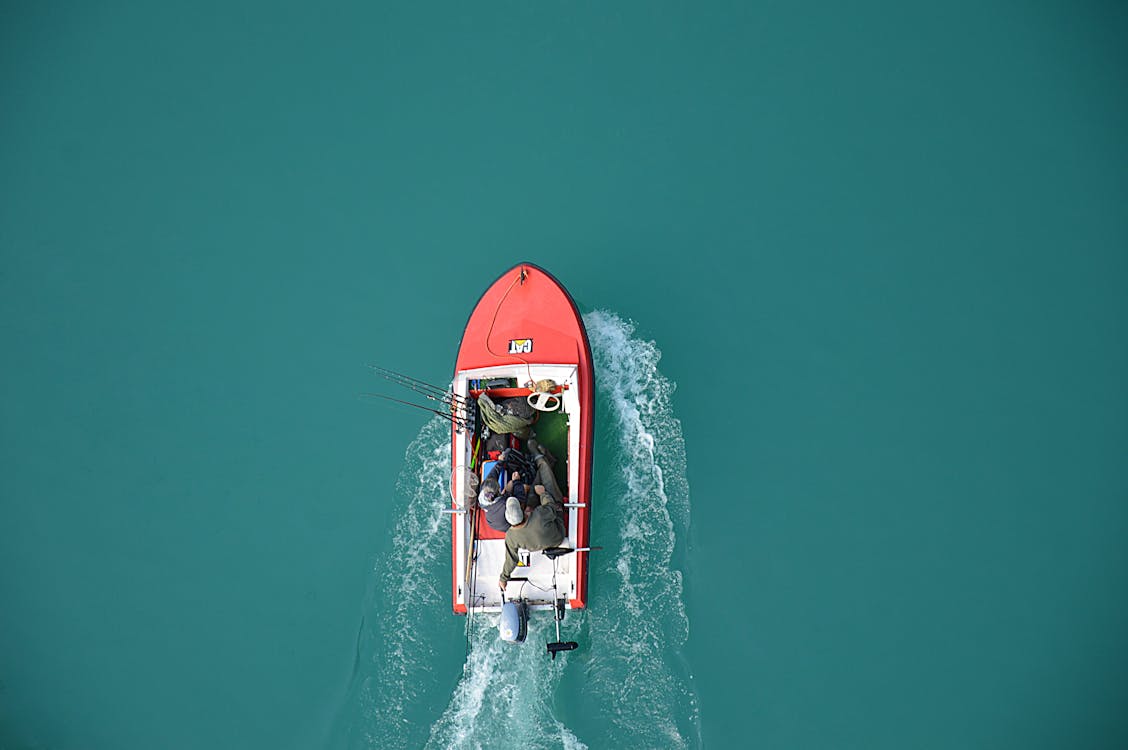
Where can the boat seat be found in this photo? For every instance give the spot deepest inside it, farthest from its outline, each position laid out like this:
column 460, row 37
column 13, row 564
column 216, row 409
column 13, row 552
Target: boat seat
column 502, row 477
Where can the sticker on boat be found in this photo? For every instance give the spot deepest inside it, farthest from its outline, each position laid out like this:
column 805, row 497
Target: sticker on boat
column 521, row 346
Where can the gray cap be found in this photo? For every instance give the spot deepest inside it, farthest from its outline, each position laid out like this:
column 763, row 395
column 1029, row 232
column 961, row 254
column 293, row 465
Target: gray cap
column 514, row 514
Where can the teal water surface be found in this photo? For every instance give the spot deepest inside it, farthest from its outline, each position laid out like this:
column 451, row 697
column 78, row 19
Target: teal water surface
column 856, row 282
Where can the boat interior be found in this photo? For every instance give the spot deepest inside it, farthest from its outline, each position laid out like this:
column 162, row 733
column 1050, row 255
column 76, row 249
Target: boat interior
column 478, row 551
column 551, row 429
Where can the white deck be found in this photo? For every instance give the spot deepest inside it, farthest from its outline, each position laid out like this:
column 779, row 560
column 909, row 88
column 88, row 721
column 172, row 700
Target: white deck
column 480, row 591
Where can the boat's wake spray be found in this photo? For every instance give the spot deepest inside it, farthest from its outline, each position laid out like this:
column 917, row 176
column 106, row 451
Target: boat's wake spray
column 640, row 689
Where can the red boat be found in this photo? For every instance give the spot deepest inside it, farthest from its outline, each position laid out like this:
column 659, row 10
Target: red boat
column 525, row 342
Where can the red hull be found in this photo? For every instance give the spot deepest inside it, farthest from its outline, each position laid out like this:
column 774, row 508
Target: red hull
column 537, row 307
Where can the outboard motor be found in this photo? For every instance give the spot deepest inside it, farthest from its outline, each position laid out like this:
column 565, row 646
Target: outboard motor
column 514, row 622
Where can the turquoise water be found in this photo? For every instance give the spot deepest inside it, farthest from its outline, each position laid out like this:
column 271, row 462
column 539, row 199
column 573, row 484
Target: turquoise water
column 855, row 278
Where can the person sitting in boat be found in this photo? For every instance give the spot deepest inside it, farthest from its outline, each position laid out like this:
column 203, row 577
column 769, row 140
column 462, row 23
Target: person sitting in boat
column 493, row 498
column 543, row 528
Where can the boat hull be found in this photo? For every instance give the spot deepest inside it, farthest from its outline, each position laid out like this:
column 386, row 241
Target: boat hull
column 525, row 328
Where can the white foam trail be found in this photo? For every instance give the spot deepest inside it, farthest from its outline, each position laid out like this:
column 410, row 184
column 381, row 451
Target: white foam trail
column 403, row 674
column 638, row 677
column 505, row 696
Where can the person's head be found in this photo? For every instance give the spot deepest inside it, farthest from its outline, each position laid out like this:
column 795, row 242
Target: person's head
column 514, row 513
column 489, row 491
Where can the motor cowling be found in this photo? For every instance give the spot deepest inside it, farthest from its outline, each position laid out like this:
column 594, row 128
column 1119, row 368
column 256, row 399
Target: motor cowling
column 514, row 623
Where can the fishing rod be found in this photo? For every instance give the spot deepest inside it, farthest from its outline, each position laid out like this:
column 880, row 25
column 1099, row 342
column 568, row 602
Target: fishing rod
column 472, row 583
column 442, row 397
column 429, row 390
column 403, row 376
column 456, row 406
column 453, row 419
column 400, row 377
column 419, row 386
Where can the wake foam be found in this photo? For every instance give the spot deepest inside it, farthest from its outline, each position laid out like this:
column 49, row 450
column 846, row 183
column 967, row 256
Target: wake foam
column 395, row 673
column 505, row 696
column 637, row 619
